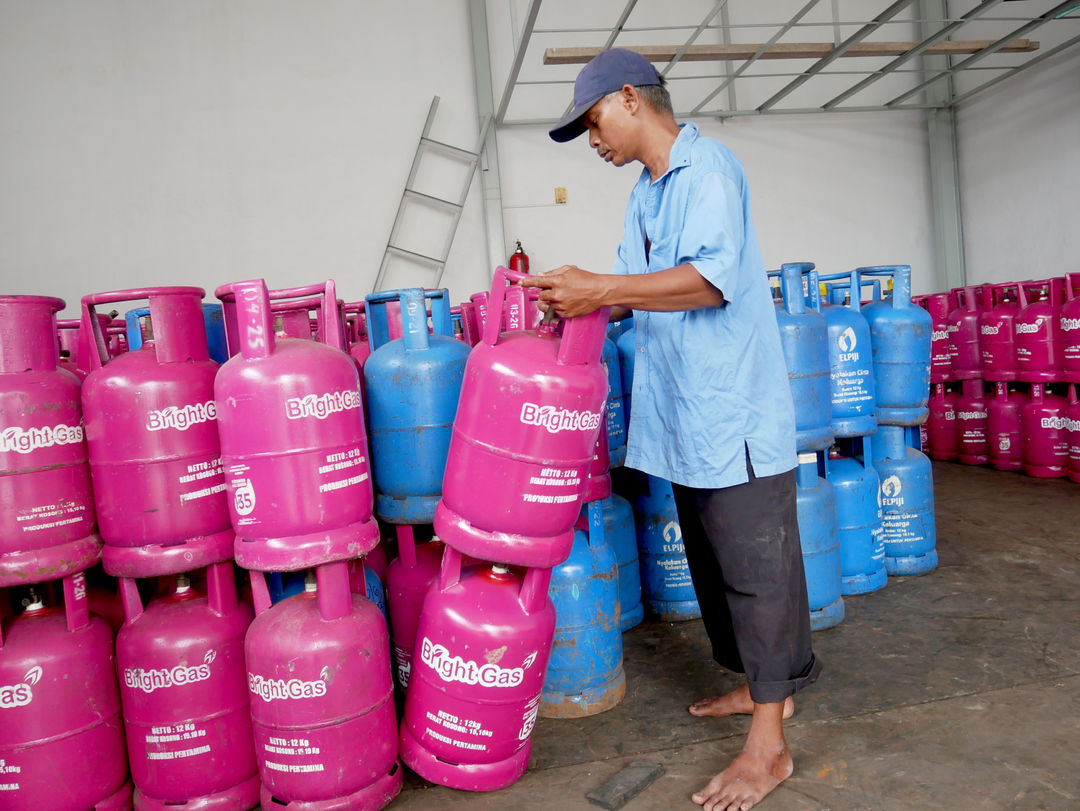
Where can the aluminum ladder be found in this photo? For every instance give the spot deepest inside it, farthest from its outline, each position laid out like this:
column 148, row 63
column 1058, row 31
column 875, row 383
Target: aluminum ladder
column 412, row 195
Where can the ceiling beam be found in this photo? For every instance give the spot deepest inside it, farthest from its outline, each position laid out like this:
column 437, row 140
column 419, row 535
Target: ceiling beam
column 924, row 47
column 613, row 35
column 786, row 50
column 519, row 58
column 757, row 54
column 1019, row 68
column 838, row 51
column 690, row 40
column 618, row 27
column 991, row 49
column 725, row 114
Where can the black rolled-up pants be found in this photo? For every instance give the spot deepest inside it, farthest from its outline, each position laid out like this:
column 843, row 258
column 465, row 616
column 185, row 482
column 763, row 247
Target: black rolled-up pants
column 742, row 544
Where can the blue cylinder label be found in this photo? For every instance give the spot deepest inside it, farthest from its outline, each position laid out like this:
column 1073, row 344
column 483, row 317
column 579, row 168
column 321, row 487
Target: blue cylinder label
column 902, row 524
column 849, row 375
column 665, row 565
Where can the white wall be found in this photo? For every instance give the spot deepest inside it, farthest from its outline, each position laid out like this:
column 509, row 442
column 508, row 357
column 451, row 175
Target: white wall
column 200, row 143
column 1019, row 145
column 840, row 191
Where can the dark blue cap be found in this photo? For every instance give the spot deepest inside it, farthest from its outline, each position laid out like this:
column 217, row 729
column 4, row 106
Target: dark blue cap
column 607, row 72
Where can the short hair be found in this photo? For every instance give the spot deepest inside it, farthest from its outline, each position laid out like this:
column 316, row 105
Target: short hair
column 657, row 97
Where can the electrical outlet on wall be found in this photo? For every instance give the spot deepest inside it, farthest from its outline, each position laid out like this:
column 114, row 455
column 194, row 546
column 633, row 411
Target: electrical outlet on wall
column 560, row 195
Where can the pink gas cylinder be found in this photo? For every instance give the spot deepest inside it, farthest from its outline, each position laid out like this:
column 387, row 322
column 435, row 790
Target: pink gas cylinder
column 1069, row 321
column 354, row 322
column 521, row 308
column 598, row 485
column 941, row 424
column 965, row 356
column 357, row 333
column 292, row 319
column 1046, row 440
column 103, row 597
column 479, row 303
column 970, row 422
column 393, row 318
column 321, row 696
column 482, row 648
column 67, row 336
column 1037, row 327
column 61, row 739
column 937, row 304
column 470, row 330
column 996, row 337
column 183, row 687
column 1072, row 417
column 531, row 407
column 408, row 578
column 116, row 337
column 1004, row 435
column 293, row 444
column 455, row 319
column 46, row 501
column 377, row 560
column 152, row 434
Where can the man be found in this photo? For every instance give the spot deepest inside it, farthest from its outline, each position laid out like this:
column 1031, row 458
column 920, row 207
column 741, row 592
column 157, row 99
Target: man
column 712, row 408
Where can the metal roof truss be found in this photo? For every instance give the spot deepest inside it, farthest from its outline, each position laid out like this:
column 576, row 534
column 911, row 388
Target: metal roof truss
column 985, row 40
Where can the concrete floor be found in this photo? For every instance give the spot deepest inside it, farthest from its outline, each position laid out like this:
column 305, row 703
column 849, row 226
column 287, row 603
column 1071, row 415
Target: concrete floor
column 954, row 690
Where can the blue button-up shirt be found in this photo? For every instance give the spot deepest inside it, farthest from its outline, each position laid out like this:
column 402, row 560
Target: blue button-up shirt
column 708, row 383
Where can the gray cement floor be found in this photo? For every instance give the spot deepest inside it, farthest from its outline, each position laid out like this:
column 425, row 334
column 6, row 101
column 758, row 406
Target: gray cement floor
column 954, row 690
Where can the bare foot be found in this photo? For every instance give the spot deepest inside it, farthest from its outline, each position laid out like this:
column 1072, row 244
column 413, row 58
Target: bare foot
column 748, row 778
column 737, row 702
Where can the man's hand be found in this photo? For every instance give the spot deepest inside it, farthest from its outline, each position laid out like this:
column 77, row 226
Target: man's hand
column 570, row 290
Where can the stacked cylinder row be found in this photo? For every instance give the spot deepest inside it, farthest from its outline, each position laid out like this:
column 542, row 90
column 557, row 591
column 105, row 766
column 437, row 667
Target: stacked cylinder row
column 1004, row 376
column 858, row 371
column 267, row 460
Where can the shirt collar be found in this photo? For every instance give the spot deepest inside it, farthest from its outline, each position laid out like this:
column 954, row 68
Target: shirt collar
column 679, row 155
column 680, row 150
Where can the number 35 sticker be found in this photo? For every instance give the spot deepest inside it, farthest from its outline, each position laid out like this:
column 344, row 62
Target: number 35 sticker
column 244, row 497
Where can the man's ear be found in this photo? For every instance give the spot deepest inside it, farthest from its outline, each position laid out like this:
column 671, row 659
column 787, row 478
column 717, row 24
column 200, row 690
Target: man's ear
column 629, row 97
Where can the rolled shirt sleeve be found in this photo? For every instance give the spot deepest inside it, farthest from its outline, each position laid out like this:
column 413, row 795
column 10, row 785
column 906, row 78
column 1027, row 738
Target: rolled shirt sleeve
column 713, row 232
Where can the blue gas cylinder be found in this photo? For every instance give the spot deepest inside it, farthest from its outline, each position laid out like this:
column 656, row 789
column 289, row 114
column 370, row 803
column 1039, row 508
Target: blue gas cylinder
column 851, row 370
column 816, row 501
column 282, row 585
column 585, row 673
column 137, row 321
column 907, row 503
column 619, row 530
column 804, row 337
column 858, row 516
column 375, row 591
column 900, row 334
column 665, row 575
column 617, row 328
column 627, row 346
column 616, row 418
column 413, row 384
